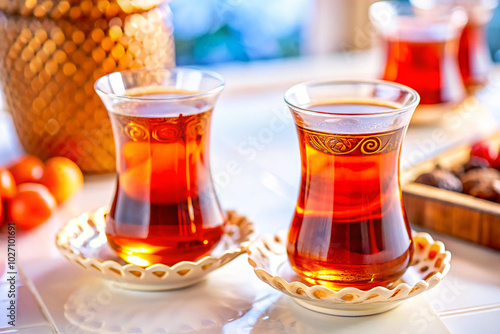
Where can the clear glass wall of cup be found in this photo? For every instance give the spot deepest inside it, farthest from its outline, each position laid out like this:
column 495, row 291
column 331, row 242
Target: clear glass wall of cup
column 165, row 209
column 349, row 228
column 421, row 51
column 473, row 55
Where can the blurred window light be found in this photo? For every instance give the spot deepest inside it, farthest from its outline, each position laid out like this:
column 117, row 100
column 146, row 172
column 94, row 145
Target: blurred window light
column 494, row 35
column 214, row 31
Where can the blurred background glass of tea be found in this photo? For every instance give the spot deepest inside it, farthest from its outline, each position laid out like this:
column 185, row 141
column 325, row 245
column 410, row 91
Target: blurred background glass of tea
column 473, row 54
column 421, row 51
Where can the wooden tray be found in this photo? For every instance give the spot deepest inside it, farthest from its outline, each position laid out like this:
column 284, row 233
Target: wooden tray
column 460, row 215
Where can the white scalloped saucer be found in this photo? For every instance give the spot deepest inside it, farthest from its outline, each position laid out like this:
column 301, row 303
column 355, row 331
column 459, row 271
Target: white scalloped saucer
column 430, row 264
column 83, row 242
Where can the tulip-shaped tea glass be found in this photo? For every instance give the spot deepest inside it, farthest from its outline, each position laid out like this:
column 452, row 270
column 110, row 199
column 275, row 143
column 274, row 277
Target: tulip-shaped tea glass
column 421, row 51
column 350, row 227
column 474, row 56
column 165, row 209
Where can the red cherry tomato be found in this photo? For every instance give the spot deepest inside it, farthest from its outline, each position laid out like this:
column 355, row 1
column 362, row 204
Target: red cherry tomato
column 1, row 214
column 7, row 184
column 27, row 169
column 484, row 149
column 62, row 177
column 496, row 163
column 31, row 206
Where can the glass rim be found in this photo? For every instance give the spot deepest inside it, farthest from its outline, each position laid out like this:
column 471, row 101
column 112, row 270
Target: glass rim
column 195, row 95
column 412, row 104
column 484, row 4
column 458, row 13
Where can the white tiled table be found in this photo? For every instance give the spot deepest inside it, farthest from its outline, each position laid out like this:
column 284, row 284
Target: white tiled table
column 232, row 299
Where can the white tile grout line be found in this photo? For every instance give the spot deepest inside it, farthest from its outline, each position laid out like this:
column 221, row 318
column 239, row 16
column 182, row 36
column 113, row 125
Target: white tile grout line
column 38, row 300
column 467, row 310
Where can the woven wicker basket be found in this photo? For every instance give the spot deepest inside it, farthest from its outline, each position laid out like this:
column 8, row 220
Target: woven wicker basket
column 52, row 52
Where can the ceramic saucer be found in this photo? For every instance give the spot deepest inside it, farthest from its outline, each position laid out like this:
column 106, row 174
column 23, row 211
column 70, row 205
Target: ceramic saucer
column 431, row 262
column 83, row 242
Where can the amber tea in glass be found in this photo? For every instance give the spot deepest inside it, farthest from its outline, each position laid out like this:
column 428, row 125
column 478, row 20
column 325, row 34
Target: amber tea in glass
column 421, row 51
column 474, row 56
column 164, row 209
column 349, row 226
